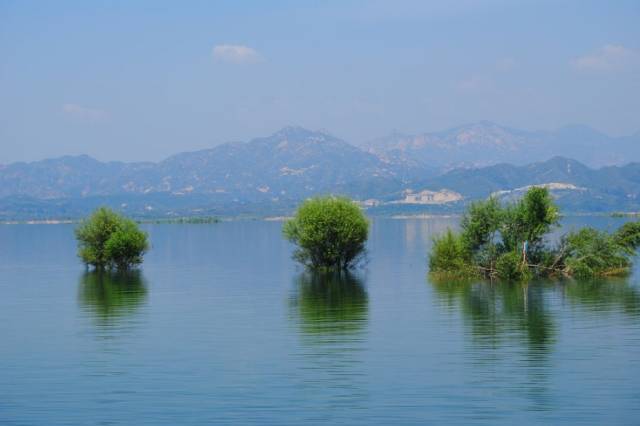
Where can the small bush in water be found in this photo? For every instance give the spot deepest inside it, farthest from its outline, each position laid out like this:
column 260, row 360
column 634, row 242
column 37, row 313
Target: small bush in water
column 330, row 232
column 107, row 240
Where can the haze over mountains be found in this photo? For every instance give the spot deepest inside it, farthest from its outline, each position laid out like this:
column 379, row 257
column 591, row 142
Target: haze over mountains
column 270, row 174
column 486, row 143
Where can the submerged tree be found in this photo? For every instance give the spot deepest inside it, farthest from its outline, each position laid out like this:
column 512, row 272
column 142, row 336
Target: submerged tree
column 330, row 232
column 508, row 242
column 107, row 240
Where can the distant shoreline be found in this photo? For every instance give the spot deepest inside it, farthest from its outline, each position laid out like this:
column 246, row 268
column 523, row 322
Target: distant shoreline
column 213, row 220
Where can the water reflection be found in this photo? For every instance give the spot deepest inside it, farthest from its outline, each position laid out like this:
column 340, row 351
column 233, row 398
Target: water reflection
column 605, row 295
column 330, row 304
column 495, row 311
column 330, row 311
column 112, row 295
column 498, row 314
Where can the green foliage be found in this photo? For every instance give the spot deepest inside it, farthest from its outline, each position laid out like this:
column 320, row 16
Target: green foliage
column 493, row 237
column 126, row 246
column 450, row 255
column 480, row 223
column 589, row 252
column 529, row 220
column 107, row 240
column 330, row 232
column 510, row 267
column 628, row 235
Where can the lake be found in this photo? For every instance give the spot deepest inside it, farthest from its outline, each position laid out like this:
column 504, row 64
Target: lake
column 221, row 326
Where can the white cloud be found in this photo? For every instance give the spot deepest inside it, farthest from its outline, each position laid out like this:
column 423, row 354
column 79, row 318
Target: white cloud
column 235, row 53
column 609, row 58
column 85, row 113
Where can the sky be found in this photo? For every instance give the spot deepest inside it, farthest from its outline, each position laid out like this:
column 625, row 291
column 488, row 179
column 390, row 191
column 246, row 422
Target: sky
column 143, row 80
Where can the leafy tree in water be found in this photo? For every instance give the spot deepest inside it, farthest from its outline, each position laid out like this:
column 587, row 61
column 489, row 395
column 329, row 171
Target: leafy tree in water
column 450, row 253
column 589, row 252
column 107, row 240
column 480, row 225
column 529, row 220
column 493, row 238
column 330, row 232
column 628, row 236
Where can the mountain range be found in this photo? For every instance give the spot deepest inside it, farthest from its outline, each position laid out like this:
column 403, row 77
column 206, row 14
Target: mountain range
column 269, row 175
column 486, row 143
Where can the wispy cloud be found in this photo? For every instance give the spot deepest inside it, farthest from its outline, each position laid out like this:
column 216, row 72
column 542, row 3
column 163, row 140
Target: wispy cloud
column 609, row 58
column 85, row 113
column 237, row 54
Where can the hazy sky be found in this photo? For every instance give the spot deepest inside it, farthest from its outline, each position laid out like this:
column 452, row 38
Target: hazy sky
column 141, row 80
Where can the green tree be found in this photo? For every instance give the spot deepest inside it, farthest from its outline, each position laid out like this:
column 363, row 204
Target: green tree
column 493, row 237
column 529, row 220
column 589, row 252
column 107, row 240
column 628, row 236
column 450, row 255
column 509, row 267
column 480, row 223
column 330, row 232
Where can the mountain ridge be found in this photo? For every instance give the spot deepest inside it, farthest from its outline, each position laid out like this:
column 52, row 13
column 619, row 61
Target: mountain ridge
column 485, row 143
column 281, row 169
column 291, row 159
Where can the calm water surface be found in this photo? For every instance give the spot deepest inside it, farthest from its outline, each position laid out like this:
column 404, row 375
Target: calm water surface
column 220, row 326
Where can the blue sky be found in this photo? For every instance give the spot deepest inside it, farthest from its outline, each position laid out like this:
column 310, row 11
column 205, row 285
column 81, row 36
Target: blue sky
column 143, row 80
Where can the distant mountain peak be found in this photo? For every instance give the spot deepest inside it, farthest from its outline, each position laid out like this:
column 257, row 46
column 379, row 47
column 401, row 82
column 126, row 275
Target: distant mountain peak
column 297, row 132
column 484, row 143
column 559, row 159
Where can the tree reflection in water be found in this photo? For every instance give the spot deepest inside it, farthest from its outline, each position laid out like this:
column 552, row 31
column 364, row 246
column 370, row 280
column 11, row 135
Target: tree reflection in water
column 110, row 296
column 331, row 311
column 497, row 314
column 498, row 310
column 330, row 304
column 605, row 295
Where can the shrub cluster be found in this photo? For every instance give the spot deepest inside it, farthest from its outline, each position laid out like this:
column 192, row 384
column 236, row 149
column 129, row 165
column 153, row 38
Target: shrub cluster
column 107, row 240
column 589, row 252
column 330, row 232
column 508, row 242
